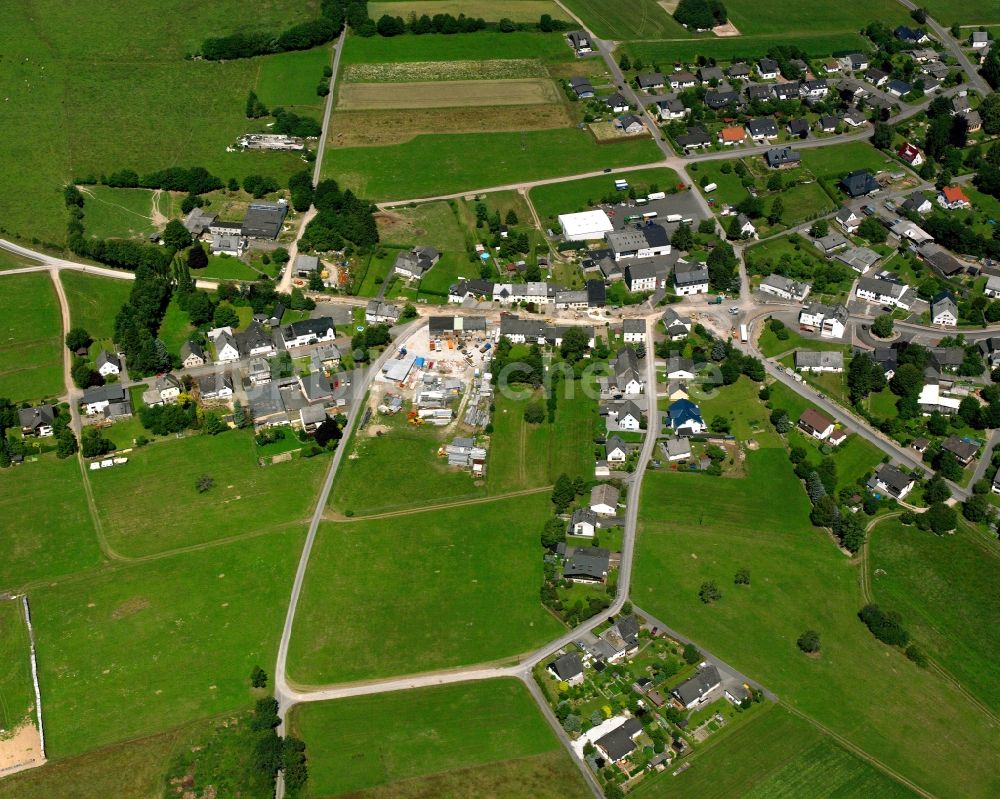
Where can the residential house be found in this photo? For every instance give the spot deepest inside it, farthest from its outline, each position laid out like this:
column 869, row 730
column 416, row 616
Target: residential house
column 785, row 288
column 828, row 320
column 953, row 198
column 815, row 424
column 37, row 421
column 831, row 67
column 228, row 244
column 305, row 265
column 814, row 89
column 216, row 385
column 859, row 183
column 782, row 158
column 738, row 70
column 572, row 299
column 630, row 125
column 650, row 80
column 990, row 348
column 917, row 203
column 583, row 522
column 198, row 221
column 698, row 690
column 225, row 346
column 634, row 331
column 624, row 416
column 471, row 289
column 646, row 241
column 311, row 417
column 887, row 359
column 597, row 294
column 830, row 243
column 604, row 499
column 682, row 80
column 855, row 62
column 942, row 261
column 827, row 123
column 762, row 129
column 897, row 88
column 944, row 311
column 767, row 68
column 587, row 564
column 192, row 355
column 732, row 135
column 890, row 480
column 254, row 341
column 263, row 219
column 964, row 451
column 946, row 359
column 685, row 418
column 876, row 77
column 819, row 361
column 101, row 399
column 646, row 275
column 855, row 119
column 910, row 154
column 164, row 391
column 690, row 278
column 799, row 127
column 671, row 108
column 848, row 220
column 583, row 88
column 909, row 35
column 695, row 138
column 568, row 668
column 905, row 229
column 785, row 91
column 416, row 263
column 678, row 449
column 522, row 331
column 579, row 41
column 979, row 40
column 860, row 259
column 708, row 74
column 379, row 312
column 680, row 369
column 616, row 103
column 620, row 742
column 717, row 100
column 677, row 327
column 108, row 364
column 760, row 92
column 307, row 331
column 884, row 292
column 616, row 450
column 259, row 371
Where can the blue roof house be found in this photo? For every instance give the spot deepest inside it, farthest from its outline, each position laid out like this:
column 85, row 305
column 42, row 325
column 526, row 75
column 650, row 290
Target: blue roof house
column 685, row 417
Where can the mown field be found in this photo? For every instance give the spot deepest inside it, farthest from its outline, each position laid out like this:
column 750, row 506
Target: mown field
column 141, row 648
column 94, row 301
column 627, row 19
column 836, row 161
column 578, row 195
column 17, row 695
column 483, row 45
column 45, row 525
column 290, row 80
column 804, row 582
column 30, row 338
column 516, row 10
column 246, row 498
column 77, row 75
column 817, row 16
column 440, row 164
column 666, row 52
column 776, row 756
column 424, row 586
column 486, row 736
column 118, row 213
column 974, row 12
column 526, row 455
column 175, row 328
column 946, row 589
column 459, row 93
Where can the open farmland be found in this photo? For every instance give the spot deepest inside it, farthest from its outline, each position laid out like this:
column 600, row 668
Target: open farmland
column 805, row 583
column 459, row 93
column 16, row 694
column 483, row 45
column 140, row 648
column 490, row 10
column 94, row 301
column 836, row 161
column 438, row 164
column 627, row 19
column 424, row 586
column 60, row 539
column 434, row 224
column 972, row 12
column 946, row 589
column 381, row 128
column 826, row 16
column 118, row 213
column 419, row 71
column 816, row 45
column 73, row 83
column 290, row 79
column 776, row 756
column 489, row 740
column 247, row 497
column 30, row 338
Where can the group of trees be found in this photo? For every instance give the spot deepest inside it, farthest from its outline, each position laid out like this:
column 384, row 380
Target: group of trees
column 291, row 124
column 448, row 24
column 341, row 218
column 193, row 180
column 372, row 336
column 138, row 322
column 723, row 268
column 701, row 14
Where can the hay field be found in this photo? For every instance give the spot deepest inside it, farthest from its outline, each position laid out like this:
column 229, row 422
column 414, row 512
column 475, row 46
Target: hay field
column 418, row 71
column 452, row 94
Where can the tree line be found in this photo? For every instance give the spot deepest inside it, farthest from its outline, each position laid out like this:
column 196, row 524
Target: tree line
column 448, row 24
column 342, row 217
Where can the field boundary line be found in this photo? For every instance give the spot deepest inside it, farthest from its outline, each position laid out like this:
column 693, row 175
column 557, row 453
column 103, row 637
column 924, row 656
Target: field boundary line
column 34, row 674
column 439, row 506
column 857, row 750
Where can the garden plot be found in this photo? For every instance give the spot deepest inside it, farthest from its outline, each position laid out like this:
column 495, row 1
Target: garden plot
column 461, row 94
column 418, row 71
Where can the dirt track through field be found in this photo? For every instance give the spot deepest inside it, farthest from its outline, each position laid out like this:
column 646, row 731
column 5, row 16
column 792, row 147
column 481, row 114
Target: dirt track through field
column 455, row 93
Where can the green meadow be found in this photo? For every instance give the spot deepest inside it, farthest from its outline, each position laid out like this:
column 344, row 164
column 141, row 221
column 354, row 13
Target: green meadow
column 94, row 301
column 17, row 695
column 290, row 80
column 31, row 338
column 483, row 45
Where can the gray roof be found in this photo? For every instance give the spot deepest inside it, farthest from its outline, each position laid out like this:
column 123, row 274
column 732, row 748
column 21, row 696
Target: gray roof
column 618, row 743
column 686, row 274
column 252, row 338
column 306, row 263
column 192, row 348
column 780, row 156
column 308, row 327
column 704, row 681
column 107, row 357
column 587, row 562
column 263, row 220
column 811, row 359
column 110, row 392
column 886, row 288
column 964, row 450
column 567, row 666
column 584, row 516
column 33, row 418
column 605, row 494
column 895, row 480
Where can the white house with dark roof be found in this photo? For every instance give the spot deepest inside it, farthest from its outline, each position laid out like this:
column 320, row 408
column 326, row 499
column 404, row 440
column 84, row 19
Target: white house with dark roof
column 308, row 331
column 944, row 311
column 634, row 331
column 819, row 361
column 848, row 219
column 647, row 241
column 646, row 275
column 827, row 320
column 690, row 278
column 108, row 364
column 884, row 292
column 416, row 263
column 785, row 288
column 226, row 349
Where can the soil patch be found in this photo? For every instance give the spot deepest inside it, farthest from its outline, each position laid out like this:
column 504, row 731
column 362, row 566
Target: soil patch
column 726, row 30
column 21, row 749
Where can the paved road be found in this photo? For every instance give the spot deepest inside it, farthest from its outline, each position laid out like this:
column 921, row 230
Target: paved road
column 985, row 459
column 975, row 80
